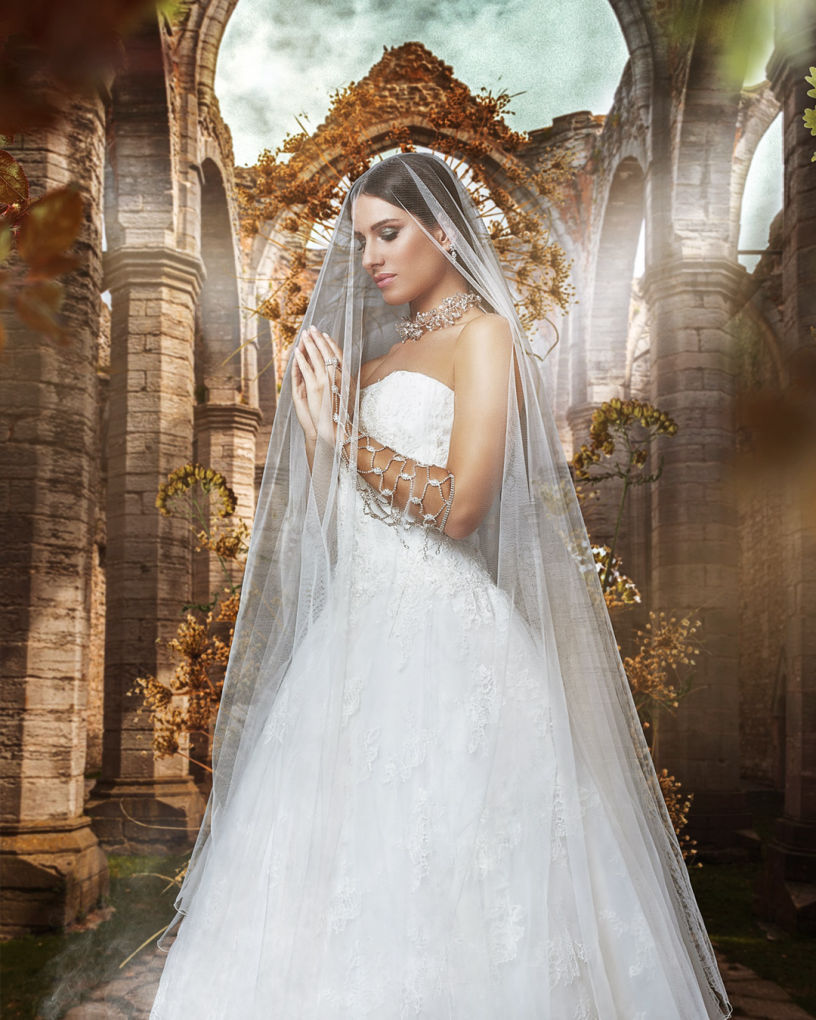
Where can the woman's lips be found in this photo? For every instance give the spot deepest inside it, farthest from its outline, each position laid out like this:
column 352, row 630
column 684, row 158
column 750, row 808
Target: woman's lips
column 384, row 280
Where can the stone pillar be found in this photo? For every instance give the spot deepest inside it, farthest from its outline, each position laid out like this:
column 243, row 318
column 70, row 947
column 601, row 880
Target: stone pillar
column 150, row 434
column 787, row 893
column 695, row 543
column 51, row 865
column 225, row 440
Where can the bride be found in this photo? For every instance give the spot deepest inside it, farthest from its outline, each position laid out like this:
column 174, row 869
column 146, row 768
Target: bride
column 431, row 793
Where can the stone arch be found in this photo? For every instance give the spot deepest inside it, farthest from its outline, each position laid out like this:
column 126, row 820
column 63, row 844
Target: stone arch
column 758, row 109
column 705, row 144
column 268, row 239
column 199, row 44
column 638, row 31
column 218, row 349
column 606, row 354
column 225, row 420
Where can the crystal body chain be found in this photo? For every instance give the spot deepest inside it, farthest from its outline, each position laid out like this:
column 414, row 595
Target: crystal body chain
column 384, row 470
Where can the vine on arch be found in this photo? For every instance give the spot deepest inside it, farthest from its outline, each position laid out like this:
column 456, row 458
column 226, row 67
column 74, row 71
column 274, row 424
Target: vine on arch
column 302, row 184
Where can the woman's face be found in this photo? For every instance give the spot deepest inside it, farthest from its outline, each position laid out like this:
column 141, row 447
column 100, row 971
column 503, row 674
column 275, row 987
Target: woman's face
column 403, row 261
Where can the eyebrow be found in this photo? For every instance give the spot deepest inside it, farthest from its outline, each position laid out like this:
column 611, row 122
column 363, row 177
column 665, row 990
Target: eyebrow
column 378, row 224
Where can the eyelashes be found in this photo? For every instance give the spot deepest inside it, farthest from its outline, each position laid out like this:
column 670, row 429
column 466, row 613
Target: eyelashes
column 389, row 234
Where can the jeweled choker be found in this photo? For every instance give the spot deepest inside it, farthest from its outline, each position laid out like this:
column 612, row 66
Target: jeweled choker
column 445, row 314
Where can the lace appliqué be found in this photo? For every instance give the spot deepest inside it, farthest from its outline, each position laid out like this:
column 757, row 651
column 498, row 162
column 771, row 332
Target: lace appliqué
column 367, row 753
column 345, row 904
column 507, row 926
column 414, row 751
column 638, row 938
column 480, row 706
column 565, row 957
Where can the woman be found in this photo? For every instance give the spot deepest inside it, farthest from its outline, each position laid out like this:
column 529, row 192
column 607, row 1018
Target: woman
column 431, row 793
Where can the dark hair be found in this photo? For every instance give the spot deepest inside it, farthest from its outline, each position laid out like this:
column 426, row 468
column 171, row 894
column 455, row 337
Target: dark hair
column 391, row 181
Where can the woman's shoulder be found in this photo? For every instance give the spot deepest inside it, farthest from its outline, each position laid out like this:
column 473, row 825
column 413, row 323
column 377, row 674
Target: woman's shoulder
column 368, row 368
column 483, row 329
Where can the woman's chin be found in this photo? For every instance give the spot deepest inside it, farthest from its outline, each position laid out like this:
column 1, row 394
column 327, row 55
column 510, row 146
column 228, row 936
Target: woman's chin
column 395, row 299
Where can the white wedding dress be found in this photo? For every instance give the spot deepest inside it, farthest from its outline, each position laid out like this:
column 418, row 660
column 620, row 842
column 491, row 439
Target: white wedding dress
column 462, row 865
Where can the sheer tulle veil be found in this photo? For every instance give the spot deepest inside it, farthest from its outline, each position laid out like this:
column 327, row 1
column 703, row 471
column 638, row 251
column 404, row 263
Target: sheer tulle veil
column 532, row 539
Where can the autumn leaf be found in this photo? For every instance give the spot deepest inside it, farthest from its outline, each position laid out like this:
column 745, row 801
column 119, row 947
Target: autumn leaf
column 13, row 181
column 5, row 241
column 37, row 305
column 52, row 225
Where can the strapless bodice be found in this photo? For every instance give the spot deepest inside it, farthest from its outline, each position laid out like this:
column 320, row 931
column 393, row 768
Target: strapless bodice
column 410, row 412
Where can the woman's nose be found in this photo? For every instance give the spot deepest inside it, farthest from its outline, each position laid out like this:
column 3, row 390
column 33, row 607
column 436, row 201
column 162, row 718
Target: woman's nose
column 371, row 258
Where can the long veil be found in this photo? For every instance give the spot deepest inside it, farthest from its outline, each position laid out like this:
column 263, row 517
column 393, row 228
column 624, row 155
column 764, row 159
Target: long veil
column 301, row 569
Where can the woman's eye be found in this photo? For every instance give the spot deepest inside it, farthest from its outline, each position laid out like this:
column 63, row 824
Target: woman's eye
column 388, row 234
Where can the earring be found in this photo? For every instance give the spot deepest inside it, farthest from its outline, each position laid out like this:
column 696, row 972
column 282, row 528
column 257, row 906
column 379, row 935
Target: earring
column 452, row 253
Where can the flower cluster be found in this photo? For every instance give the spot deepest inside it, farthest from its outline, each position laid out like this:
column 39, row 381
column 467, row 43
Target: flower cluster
column 230, row 544
column 658, row 671
column 635, row 423
column 679, row 805
column 619, row 589
column 183, row 479
column 198, row 679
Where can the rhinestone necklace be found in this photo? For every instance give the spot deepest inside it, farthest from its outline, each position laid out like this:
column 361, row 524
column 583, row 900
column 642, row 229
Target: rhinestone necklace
column 445, row 314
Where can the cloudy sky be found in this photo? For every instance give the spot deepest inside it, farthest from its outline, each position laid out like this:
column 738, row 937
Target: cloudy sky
column 280, row 59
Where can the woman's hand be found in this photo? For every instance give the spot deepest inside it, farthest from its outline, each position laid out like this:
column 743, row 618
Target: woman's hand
column 300, row 398
column 312, row 381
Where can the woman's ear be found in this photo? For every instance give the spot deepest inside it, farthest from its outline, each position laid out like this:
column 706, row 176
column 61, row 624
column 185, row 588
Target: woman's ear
column 441, row 236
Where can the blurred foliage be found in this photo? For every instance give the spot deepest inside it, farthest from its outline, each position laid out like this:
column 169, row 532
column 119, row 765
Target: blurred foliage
column 33, row 238
column 302, row 184
column 50, row 50
column 736, row 36
column 73, row 46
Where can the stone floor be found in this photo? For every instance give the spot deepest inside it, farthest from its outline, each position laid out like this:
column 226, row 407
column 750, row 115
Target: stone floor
column 129, row 997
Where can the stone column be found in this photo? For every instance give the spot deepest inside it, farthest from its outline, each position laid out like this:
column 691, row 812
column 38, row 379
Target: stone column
column 787, row 893
column 153, row 291
column 694, row 528
column 51, row 865
column 225, row 440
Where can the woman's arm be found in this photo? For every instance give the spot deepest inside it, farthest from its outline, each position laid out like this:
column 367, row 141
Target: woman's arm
column 455, row 498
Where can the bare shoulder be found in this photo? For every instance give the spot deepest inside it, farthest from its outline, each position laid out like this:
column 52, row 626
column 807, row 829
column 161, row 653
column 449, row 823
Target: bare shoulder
column 368, row 368
column 488, row 335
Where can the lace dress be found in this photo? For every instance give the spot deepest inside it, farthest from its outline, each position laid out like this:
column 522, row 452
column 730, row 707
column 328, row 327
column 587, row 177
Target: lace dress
column 415, row 836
